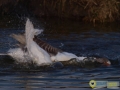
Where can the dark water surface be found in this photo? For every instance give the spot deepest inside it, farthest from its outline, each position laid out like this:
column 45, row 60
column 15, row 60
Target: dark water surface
column 82, row 39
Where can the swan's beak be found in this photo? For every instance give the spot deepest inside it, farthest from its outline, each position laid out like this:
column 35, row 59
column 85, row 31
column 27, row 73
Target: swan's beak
column 103, row 61
column 107, row 63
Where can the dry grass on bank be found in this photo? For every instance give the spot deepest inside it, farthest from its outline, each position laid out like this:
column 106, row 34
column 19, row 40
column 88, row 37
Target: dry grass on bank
column 89, row 10
column 93, row 10
column 102, row 10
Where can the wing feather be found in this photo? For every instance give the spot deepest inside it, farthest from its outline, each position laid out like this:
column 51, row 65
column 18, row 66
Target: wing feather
column 47, row 47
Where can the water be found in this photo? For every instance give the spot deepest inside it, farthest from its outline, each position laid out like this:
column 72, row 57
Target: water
column 79, row 38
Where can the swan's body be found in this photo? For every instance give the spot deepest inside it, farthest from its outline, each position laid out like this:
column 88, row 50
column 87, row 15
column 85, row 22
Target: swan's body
column 38, row 51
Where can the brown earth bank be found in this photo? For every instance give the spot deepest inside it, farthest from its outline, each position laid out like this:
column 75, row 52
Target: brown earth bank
column 84, row 10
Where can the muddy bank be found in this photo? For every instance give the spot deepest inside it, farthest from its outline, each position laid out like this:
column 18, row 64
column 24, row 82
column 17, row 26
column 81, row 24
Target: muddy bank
column 83, row 10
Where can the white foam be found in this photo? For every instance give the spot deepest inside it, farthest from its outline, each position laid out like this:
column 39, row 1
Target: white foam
column 19, row 55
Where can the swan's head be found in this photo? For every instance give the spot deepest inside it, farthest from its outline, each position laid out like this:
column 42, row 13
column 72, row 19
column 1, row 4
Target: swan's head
column 104, row 61
column 107, row 63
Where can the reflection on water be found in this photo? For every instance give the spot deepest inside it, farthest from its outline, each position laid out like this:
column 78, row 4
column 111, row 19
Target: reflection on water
column 82, row 39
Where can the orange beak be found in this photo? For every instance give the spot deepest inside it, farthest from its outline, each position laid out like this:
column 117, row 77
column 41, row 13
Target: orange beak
column 103, row 61
column 107, row 63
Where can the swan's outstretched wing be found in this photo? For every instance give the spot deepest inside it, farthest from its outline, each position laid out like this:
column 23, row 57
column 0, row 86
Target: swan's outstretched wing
column 20, row 38
column 47, row 47
column 38, row 54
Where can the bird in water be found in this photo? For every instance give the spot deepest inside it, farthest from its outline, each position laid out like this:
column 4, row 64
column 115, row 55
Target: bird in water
column 32, row 48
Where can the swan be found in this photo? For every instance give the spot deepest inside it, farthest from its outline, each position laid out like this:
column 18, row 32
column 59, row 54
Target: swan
column 39, row 51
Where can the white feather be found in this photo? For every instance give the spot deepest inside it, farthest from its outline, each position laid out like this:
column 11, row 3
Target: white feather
column 63, row 56
column 39, row 55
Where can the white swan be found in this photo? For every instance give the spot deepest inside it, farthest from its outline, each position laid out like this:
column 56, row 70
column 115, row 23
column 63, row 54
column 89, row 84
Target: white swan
column 38, row 51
